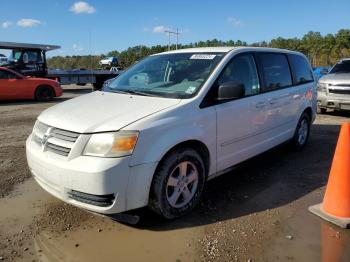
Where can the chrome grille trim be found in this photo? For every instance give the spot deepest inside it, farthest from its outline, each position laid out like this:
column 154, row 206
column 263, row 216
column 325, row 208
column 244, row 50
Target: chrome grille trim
column 64, row 135
column 340, row 85
column 53, row 139
column 58, row 149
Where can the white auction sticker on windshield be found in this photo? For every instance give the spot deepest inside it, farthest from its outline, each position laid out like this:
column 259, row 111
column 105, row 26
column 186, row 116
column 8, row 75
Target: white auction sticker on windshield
column 190, row 90
column 202, row 56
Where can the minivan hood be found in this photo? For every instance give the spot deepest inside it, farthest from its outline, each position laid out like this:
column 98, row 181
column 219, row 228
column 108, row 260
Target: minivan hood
column 336, row 79
column 103, row 111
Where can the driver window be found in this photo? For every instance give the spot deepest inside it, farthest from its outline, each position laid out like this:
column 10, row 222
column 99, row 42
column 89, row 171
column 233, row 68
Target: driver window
column 242, row 69
column 3, row 74
column 25, row 58
column 7, row 75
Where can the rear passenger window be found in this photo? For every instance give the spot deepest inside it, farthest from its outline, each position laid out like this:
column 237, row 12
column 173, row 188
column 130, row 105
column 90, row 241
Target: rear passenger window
column 301, row 69
column 275, row 69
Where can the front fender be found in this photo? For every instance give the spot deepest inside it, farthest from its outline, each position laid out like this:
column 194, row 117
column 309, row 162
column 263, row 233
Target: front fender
column 163, row 134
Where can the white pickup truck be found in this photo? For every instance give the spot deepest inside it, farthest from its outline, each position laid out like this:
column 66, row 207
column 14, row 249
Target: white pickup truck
column 333, row 89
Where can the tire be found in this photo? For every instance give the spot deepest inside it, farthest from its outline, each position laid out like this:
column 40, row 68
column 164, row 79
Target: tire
column 301, row 134
column 98, row 85
column 44, row 93
column 323, row 110
column 178, row 183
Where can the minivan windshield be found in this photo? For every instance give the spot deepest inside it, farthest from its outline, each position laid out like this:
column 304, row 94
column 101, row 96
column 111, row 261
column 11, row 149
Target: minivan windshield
column 341, row 67
column 178, row 75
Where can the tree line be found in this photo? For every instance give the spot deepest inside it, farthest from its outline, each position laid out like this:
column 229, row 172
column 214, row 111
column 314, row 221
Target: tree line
column 322, row 50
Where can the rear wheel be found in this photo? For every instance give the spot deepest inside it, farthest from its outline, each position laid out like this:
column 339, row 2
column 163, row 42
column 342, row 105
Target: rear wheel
column 44, row 93
column 98, row 85
column 178, row 183
column 302, row 132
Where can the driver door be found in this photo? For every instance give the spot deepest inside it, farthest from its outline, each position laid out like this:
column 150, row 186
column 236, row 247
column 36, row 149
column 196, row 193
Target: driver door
column 9, row 85
column 241, row 122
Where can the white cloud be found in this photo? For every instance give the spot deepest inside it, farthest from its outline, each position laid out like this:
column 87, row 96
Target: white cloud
column 234, row 22
column 159, row 29
column 27, row 22
column 82, row 8
column 77, row 48
column 6, row 24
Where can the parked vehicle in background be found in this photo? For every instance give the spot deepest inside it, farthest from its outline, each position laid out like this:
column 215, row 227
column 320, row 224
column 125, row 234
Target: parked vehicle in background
column 118, row 69
column 109, row 61
column 170, row 123
column 16, row 86
column 3, row 59
column 30, row 60
column 321, row 71
column 333, row 89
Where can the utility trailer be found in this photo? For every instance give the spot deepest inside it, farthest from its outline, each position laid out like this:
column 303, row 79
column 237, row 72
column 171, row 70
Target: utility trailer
column 30, row 60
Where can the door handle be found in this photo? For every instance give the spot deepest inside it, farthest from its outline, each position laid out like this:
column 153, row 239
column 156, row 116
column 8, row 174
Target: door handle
column 260, row 104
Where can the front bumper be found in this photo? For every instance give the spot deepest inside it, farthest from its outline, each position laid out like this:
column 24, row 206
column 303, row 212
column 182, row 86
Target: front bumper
column 58, row 91
column 333, row 101
column 112, row 179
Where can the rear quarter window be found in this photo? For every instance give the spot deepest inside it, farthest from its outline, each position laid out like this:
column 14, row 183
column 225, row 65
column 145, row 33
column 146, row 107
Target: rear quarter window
column 275, row 70
column 301, row 69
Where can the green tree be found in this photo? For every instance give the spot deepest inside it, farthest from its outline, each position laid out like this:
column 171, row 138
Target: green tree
column 321, row 50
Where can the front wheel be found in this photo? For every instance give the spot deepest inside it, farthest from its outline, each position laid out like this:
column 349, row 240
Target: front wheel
column 178, row 183
column 301, row 134
column 44, row 93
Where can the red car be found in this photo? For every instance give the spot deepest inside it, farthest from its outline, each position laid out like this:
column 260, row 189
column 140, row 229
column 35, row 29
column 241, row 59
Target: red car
column 16, row 86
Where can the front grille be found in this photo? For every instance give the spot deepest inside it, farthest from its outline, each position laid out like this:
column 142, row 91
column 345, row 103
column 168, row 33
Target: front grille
column 53, row 139
column 339, row 91
column 64, row 135
column 64, row 151
column 96, row 200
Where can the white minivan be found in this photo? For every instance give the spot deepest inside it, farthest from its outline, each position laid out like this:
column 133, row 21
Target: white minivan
column 160, row 130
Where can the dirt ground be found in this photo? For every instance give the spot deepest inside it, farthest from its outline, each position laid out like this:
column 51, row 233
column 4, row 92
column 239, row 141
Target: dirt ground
column 258, row 212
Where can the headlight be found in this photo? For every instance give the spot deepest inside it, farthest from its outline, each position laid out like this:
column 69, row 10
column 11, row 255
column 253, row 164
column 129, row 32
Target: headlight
column 112, row 144
column 39, row 128
column 322, row 87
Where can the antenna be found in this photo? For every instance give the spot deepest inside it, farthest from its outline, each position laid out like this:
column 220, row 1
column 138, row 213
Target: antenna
column 170, row 32
column 91, row 58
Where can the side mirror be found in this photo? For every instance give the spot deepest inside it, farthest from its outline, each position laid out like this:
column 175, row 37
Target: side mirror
column 230, row 91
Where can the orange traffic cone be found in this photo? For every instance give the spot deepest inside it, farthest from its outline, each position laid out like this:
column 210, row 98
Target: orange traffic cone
column 336, row 202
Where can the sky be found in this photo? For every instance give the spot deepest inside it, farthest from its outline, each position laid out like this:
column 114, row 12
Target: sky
column 99, row 26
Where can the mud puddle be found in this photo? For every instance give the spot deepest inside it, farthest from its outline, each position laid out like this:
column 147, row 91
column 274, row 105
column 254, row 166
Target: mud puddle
column 35, row 226
column 117, row 243
column 306, row 237
column 20, row 207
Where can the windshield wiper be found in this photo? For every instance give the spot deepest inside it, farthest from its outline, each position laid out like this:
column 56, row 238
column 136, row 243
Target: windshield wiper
column 130, row 91
column 135, row 92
